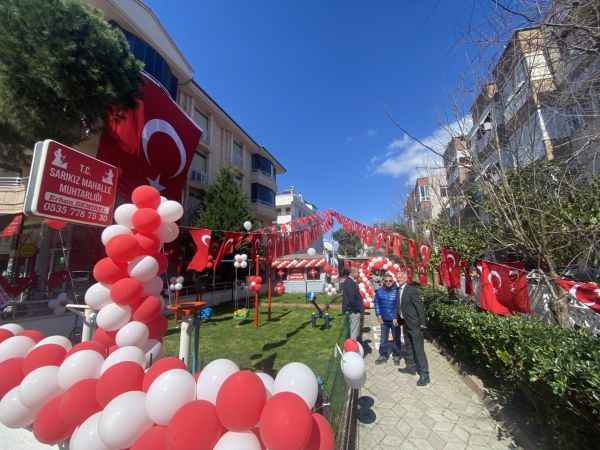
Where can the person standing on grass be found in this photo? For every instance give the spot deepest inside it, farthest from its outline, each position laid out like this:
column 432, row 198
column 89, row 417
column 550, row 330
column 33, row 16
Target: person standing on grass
column 410, row 313
column 386, row 299
column 352, row 304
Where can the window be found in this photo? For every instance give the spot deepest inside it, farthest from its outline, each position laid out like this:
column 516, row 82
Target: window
column 262, row 194
column 202, row 121
column 239, row 180
column 199, row 169
column 262, row 164
column 287, row 210
column 237, row 156
column 443, row 191
column 423, row 192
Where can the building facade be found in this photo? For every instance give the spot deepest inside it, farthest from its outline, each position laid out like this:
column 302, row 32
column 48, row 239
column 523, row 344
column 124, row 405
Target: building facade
column 426, row 202
column 291, row 205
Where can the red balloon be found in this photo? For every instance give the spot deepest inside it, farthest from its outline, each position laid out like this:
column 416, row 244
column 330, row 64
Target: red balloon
column 95, row 345
column 106, row 338
column 79, row 402
column 45, row 355
column 48, row 427
column 183, row 430
column 5, row 334
column 146, row 220
column 126, row 291
column 241, row 400
column 149, row 243
column 149, row 310
column 321, row 437
column 112, row 348
column 154, row 438
column 122, row 377
column 350, row 345
column 145, row 197
column 158, row 327
column 163, row 262
column 160, row 366
column 55, row 224
column 285, row 423
column 33, row 334
column 123, row 248
column 108, row 271
column 11, row 374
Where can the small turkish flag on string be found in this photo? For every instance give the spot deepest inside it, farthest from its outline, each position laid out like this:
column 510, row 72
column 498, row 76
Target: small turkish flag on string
column 504, row 288
column 202, row 239
column 450, row 268
column 153, row 144
column 13, row 227
column 586, row 293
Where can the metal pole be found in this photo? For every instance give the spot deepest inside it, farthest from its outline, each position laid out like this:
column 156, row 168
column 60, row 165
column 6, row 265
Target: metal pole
column 269, row 298
column 256, row 297
column 89, row 324
column 184, row 339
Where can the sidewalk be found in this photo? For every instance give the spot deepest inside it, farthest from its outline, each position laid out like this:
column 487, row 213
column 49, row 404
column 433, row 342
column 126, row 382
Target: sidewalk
column 396, row 414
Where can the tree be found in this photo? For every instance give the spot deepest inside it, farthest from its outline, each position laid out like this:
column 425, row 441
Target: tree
column 62, row 66
column 350, row 245
column 225, row 207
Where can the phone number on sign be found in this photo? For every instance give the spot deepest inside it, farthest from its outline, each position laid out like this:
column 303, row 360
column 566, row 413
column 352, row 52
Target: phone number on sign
column 75, row 213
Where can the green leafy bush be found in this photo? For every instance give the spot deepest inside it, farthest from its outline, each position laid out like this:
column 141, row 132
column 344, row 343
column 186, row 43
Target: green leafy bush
column 557, row 370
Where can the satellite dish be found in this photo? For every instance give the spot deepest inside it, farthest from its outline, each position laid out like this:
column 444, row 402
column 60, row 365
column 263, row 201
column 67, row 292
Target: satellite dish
column 328, row 246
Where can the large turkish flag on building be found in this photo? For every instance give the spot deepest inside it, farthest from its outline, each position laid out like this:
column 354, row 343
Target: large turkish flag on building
column 504, row 288
column 152, row 144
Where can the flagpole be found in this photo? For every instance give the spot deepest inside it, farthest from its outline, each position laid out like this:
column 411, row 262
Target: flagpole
column 256, row 296
column 269, row 294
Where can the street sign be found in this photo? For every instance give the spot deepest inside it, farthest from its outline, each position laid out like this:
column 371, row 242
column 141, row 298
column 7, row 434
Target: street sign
column 68, row 185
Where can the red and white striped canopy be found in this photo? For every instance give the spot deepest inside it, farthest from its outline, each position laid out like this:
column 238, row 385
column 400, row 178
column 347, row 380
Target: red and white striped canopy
column 298, row 263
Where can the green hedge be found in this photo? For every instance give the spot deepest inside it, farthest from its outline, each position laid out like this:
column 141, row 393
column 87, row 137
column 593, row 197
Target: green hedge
column 557, row 371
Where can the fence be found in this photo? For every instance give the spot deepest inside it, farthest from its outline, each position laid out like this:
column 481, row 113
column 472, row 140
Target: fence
column 539, row 297
column 340, row 400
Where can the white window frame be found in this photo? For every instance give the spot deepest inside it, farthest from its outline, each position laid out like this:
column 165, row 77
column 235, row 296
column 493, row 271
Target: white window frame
column 205, row 138
column 235, row 143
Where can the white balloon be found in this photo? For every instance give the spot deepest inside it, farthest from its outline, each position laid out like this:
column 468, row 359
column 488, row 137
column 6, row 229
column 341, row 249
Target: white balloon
column 268, row 381
column 124, row 214
column 244, row 264
column 13, row 413
column 170, row 211
column 14, row 328
column 167, row 232
column 171, row 287
column 15, row 347
column 178, row 286
column 356, row 384
column 129, row 353
column 361, row 350
column 353, row 366
column 232, row 440
column 163, row 199
column 123, row 420
column 113, row 230
column 58, row 340
column 247, row 225
column 180, row 279
column 212, row 377
column 300, row 379
column 237, row 264
column 113, row 316
column 39, row 386
column 86, row 436
column 79, row 366
column 98, row 296
column 152, row 350
column 311, row 252
column 244, row 257
column 169, row 392
column 143, row 268
column 134, row 333
column 153, row 287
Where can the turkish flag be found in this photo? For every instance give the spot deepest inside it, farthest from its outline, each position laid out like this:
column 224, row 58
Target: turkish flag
column 587, row 293
column 412, row 250
column 230, row 241
column 425, row 252
column 422, row 275
column 450, row 269
column 152, row 144
column 13, row 227
column 201, row 238
column 468, row 280
column 504, row 288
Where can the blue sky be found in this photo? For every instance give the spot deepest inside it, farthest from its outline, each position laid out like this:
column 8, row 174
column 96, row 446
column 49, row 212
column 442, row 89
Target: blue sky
column 311, row 81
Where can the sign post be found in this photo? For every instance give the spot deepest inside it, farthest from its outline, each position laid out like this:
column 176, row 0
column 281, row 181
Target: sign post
column 71, row 186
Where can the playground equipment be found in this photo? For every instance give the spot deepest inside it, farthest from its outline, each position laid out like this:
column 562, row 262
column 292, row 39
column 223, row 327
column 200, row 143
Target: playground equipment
column 311, row 298
column 192, row 316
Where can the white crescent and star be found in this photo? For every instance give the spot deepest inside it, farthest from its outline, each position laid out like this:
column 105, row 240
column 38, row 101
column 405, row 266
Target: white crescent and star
column 162, row 126
column 494, row 274
column 206, row 240
column 453, row 265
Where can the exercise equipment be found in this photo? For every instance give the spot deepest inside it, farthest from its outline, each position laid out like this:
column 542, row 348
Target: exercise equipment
column 311, row 297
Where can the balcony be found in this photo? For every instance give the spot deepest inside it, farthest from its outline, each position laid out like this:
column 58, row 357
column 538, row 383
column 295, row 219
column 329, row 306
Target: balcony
column 12, row 194
column 198, row 178
column 264, row 178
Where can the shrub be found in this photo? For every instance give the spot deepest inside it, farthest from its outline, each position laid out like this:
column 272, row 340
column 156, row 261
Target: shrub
column 557, row 370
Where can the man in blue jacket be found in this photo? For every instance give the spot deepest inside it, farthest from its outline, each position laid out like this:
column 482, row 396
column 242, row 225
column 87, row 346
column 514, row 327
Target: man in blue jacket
column 386, row 299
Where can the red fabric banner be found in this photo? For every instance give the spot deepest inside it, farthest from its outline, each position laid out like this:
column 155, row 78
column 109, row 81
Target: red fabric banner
column 504, row 288
column 412, row 250
column 422, row 275
column 425, row 253
column 202, row 239
column 587, row 293
column 450, row 269
column 152, row 144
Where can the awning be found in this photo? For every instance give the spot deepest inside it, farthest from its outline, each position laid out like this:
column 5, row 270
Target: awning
column 302, row 263
column 292, row 264
column 298, row 263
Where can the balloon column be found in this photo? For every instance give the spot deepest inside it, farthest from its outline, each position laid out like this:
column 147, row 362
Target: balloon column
column 353, row 365
column 330, row 290
column 279, row 288
column 176, row 283
column 240, row 261
column 364, row 276
column 254, row 283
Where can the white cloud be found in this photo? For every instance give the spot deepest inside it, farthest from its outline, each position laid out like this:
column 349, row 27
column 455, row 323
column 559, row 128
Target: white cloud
column 408, row 159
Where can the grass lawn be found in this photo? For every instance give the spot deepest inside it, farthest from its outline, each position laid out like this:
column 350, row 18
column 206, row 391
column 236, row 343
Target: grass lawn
column 300, row 298
column 288, row 337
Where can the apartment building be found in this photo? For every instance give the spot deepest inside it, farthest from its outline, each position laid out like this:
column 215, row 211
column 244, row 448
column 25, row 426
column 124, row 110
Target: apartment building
column 457, row 165
column 426, row 202
column 224, row 143
column 291, row 205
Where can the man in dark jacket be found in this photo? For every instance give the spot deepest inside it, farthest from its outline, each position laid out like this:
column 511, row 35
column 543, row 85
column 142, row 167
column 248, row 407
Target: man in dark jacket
column 352, row 303
column 411, row 315
column 386, row 304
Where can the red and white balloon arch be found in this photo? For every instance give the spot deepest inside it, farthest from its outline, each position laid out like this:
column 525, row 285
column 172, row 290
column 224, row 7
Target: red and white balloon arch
column 365, row 272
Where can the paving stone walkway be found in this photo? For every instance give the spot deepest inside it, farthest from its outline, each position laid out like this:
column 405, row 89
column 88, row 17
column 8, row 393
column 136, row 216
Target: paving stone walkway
column 396, row 414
